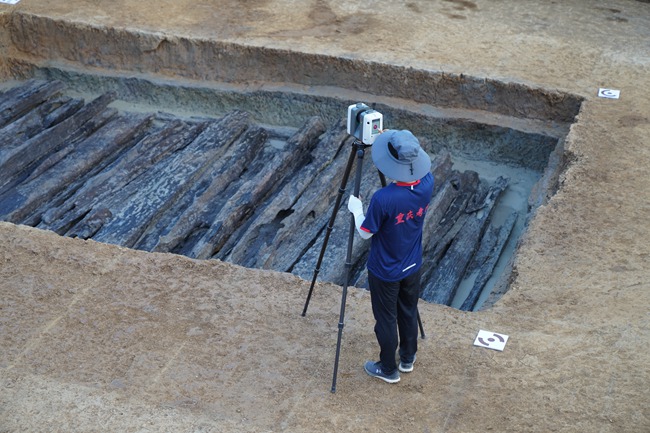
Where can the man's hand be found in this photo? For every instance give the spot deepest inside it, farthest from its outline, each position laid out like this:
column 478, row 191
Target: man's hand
column 355, row 206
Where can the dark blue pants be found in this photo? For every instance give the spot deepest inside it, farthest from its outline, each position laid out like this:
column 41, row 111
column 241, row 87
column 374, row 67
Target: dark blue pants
column 395, row 307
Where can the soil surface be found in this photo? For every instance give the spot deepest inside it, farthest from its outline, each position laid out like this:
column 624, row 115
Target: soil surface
column 95, row 337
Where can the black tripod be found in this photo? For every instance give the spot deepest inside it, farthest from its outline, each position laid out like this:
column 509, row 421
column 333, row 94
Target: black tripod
column 358, row 149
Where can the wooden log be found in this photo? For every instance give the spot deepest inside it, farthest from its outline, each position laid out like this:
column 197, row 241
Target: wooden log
column 51, row 139
column 18, row 204
column 218, row 172
column 299, row 227
column 19, row 100
column 138, row 205
column 466, row 185
column 194, row 211
column 435, row 213
column 44, row 165
column 441, row 168
column 486, row 258
column 274, row 224
column 36, row 121
column 333, row 267
column 448, row 207
column 63, row 112
column 58, row 115
column 172, row 136
column 451, row 268
column 445, row 190
column 241, row 205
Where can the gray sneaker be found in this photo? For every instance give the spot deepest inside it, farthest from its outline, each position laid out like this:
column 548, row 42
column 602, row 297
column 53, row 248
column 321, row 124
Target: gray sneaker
column 406, row 367
column 374, row 369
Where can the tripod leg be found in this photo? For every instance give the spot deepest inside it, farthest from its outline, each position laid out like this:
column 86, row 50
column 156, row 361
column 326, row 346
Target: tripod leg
column 330, row 225
column 422, row 336
column 382, row 179
column 348, row 266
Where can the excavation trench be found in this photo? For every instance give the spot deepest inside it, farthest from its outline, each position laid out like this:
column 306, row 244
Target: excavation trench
column 247, row 170
column 252, row 178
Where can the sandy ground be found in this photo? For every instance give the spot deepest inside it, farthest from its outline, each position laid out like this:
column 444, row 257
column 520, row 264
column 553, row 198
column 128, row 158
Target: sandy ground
column 99, row 338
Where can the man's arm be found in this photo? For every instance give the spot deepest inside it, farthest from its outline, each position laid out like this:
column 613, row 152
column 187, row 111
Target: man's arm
column 356, row 207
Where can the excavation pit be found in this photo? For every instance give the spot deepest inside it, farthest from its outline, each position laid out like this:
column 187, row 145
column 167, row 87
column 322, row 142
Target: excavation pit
column 250, row 176
column 217, row 150
column 292, row 99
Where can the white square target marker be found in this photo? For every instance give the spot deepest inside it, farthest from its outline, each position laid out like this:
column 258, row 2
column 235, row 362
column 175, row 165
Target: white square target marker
column 491, row 340
column 609, row 93
column 11, row 2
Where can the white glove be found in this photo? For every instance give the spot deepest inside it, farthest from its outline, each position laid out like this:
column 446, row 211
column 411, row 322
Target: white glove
column 356, row 207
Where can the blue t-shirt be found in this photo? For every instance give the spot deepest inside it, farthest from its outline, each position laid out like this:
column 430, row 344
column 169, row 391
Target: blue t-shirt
column 395, row 218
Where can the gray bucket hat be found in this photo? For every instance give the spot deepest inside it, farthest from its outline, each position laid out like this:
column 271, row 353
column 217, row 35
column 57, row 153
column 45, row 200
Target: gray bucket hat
column 399, row 156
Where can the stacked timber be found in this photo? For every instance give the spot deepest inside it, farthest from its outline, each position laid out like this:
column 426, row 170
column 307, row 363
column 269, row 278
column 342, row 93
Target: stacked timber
column 226, row 188
column 270, row 241
column 448, row 268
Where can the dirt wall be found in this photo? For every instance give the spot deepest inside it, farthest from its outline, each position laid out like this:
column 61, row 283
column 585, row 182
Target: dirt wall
column 38, row 39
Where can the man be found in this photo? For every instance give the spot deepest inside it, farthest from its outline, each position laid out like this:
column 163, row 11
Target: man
column 394, row 222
